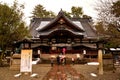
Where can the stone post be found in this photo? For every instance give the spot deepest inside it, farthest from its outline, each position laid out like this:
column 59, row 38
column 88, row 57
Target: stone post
column 100, row 60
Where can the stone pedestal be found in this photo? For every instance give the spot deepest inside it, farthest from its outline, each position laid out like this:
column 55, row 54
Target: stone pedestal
column 15, row 62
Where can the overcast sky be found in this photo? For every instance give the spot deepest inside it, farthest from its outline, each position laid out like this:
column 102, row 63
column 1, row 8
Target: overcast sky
column 56, row 5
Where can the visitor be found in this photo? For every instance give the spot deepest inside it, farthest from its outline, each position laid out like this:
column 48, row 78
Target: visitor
column 63, row 51
column 78, row 57
column 73, row 61
column 52, row 62
column 63, row 61
column 58, row 60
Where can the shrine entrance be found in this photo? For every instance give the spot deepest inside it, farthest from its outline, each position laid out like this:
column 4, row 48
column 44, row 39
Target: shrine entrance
column 59, row 39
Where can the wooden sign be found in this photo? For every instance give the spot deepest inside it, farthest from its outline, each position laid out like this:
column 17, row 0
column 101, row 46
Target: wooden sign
column 26, row 61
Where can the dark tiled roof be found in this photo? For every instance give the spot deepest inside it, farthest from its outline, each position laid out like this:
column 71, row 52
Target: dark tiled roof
column 87, row 30
column 90, row 32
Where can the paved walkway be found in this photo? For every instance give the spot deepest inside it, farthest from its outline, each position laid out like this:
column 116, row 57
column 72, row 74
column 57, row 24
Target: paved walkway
column 63, row 72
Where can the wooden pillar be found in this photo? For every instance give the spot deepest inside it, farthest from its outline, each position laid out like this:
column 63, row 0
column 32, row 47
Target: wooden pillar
column 100, row 60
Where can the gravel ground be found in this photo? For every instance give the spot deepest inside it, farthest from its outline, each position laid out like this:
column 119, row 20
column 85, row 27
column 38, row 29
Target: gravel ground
column 88, row 70
column 42, row 70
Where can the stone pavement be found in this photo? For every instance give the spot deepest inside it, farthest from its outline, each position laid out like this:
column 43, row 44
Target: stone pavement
column 63, row 72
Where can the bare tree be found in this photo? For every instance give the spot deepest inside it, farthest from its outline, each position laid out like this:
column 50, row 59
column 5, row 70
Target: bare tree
column 104, row 11
column 110, row 22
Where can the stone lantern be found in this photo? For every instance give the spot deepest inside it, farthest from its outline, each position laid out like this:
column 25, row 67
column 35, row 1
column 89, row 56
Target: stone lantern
column 26, row 43
column 22, row 61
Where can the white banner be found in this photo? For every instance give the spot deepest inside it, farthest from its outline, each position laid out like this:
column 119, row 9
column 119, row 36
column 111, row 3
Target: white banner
column 26, row 61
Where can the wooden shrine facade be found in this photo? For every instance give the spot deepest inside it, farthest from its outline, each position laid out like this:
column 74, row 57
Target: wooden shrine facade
column 51, row 35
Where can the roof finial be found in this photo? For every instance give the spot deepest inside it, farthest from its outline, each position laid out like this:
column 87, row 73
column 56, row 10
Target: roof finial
column 61, row 11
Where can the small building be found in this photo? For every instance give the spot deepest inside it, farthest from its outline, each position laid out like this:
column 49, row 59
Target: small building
column 76, row 35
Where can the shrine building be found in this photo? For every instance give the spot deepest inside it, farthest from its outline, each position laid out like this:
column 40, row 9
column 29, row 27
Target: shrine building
column 75, row 35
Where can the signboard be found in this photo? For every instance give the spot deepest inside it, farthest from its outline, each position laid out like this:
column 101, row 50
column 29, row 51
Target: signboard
column 26, row 61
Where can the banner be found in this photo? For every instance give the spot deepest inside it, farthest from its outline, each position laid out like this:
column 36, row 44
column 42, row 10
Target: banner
column 26, row 61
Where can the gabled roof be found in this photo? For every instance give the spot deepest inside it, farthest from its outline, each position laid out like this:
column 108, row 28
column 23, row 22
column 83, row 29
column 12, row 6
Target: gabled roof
column 59, row 16
column 40, row 26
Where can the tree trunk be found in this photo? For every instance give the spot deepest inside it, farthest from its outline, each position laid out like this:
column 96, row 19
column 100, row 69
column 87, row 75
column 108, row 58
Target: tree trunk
column 1, row 57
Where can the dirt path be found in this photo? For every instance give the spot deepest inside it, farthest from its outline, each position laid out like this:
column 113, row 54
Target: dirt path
column 63, row 72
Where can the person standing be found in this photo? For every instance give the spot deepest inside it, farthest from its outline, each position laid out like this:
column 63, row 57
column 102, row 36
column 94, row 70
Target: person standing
column 52, row 62
column 64, row 51
column 73, row 61
column 58, row 60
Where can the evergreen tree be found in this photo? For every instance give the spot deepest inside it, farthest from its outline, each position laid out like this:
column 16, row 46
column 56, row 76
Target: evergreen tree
column 40, row 12
column 12, row 26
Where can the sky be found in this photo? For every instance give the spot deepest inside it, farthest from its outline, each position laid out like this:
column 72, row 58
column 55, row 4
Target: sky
column 55, row 6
